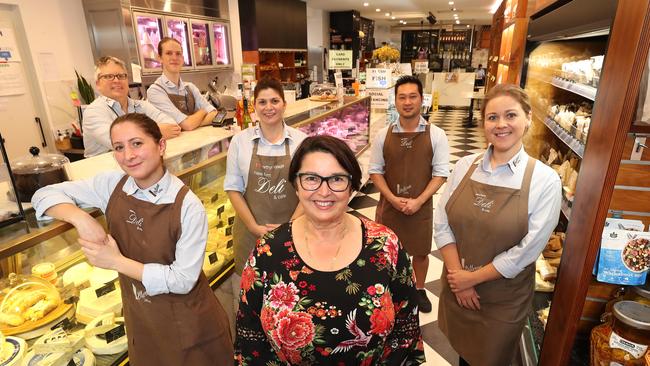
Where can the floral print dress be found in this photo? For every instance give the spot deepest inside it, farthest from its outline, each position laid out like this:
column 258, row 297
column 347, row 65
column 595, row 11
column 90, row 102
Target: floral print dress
column 363, row 314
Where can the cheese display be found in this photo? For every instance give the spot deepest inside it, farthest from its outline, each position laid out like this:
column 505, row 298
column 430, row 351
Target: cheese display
column 12, row 350
column 58, row 348
column 90, row 306
column 100, row 276
column 96, row 339
column 26, row 300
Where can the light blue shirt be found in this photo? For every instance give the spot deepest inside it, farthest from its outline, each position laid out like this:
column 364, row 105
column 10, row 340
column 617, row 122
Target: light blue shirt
column 158, row 97
column 178, row 277
column 439, row 162
column 100, row 114
column 240, row 153
column 544, row 201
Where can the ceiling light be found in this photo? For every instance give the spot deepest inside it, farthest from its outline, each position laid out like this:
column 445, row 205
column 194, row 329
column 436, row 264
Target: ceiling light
column 453, row 9
column 387, row 14
column 455, row 15
column 451, row 3
column 377, row 10
column 366, row 4
column 457, row 21
column 468, row 26
column 405, row 22
column 392, row 17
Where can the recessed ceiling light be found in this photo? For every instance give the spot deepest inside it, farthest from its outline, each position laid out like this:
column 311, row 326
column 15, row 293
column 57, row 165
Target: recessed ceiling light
column 453, row 9
column 392, row 17
column 455, row 15
column 377, row 10
column 468, row 26
column 366, row 4
column 387, row 14
column 405, row 22
column 457, row 21
column 451, row 3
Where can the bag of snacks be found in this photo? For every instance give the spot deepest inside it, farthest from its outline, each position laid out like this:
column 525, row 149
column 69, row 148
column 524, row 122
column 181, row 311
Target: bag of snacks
column 624, row 257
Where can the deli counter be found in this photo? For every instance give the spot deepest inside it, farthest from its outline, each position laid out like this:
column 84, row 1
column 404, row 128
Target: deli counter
column 48, row 250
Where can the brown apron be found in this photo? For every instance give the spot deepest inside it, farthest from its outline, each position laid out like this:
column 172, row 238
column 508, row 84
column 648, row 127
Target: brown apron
column 270, row 197
column 184, row 103
column 408, row 158
column 486, row 221
column 167, row 329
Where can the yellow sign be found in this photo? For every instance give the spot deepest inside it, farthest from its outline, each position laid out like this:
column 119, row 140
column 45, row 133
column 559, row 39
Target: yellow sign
column 340, row 59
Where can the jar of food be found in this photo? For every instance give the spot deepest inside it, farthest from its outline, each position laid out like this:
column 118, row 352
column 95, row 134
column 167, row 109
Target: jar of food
column 623, row 341
column 37, row 170
column 640, row 294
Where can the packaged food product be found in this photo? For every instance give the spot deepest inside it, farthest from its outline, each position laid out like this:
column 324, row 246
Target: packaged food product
column 624, row 340
column 46, row 271
column 624, row 224
column 624, row 257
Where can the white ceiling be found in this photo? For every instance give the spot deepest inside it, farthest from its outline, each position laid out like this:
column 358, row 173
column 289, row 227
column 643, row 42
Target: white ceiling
column 413, row 11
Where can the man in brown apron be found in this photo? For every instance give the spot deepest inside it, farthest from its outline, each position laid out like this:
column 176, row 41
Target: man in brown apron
column 269, row 196
column 184, row 103
column 168, row 329
column 407, row 184
column 488, row 337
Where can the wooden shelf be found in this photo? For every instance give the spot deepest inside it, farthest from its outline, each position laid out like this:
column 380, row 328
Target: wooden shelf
column 570, row 141
column 270, row 59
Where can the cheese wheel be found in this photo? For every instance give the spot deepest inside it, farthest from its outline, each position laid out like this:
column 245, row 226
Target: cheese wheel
column 82, row 357
column 12, row 351
column 77, row 274
column 90, row 306
column 98, row 345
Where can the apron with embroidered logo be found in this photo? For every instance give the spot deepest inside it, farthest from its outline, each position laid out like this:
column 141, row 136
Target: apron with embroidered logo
column 270, row 198
column 167, row 329
column 184, row 103
column 408, row 157
column 488, row 220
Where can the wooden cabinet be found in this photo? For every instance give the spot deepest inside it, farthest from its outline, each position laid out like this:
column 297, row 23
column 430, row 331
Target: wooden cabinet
column 282, row 64
column 611, row 181
column 509, row 27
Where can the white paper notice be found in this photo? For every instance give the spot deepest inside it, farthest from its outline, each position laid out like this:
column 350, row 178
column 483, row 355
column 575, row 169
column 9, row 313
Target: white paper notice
column 379, row 98
column 427, row 100
column 405, row 69
column 8, row 49
column 421, row 67
column 378, row 78
column 136, row 71
column 12, row 81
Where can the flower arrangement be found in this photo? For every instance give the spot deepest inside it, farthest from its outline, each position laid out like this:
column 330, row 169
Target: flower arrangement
column 386, row 54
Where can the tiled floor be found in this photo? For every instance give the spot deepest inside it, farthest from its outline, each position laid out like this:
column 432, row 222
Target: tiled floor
column 462, row 141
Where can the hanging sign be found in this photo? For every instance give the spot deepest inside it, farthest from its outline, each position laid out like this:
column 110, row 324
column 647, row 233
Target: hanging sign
column 340, row 59
column 378, row 78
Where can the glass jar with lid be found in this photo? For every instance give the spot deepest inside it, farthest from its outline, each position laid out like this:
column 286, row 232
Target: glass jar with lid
column 640, row 294
column 624, row 340
column 37, row 170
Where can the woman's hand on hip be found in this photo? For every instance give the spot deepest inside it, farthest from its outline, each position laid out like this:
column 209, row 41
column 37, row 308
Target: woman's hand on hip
column 460, row 279
column 103, row 254
column 469, row 299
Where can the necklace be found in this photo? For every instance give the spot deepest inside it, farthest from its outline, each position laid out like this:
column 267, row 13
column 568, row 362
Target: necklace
column 338, row 247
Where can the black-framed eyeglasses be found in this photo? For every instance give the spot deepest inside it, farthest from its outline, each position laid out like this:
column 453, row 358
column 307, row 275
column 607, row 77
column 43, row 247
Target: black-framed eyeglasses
column 336, row 182
column 111, row 77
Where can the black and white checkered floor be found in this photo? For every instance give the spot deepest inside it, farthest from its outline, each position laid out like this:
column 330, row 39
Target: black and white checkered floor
column 462, row 141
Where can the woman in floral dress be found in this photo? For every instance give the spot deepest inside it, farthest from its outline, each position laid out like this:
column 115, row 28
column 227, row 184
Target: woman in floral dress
column 328, row 288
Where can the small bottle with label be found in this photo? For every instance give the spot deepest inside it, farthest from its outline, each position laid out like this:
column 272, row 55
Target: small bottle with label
column 247, row 121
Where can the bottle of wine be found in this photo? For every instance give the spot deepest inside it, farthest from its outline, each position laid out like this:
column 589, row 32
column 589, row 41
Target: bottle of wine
column 247, row 121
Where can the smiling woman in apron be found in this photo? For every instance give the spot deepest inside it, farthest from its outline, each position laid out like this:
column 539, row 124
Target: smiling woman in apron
column 257, row 174
column 156, row 242
column 492, row 222
column 180, row 100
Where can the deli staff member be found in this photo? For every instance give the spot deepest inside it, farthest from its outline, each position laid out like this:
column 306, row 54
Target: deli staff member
column 492, row 222
column 406, row 204
column 180, row 100
column 257, row 173
column 111, row 82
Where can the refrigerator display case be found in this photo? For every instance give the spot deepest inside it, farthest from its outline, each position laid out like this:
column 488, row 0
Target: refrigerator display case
column 201, row 44
column 149, row 30
column 178, row 28
column 220, row 37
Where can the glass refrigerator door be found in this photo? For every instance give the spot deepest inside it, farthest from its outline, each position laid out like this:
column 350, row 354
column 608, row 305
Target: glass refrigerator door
column 149, row 32
column 221, row 44
column 177, row 28
column 201, row 44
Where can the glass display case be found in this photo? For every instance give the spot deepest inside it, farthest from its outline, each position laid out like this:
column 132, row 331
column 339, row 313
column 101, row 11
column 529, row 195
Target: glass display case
column 149, row 30
column 201, row 43
column 177, row 28
column 348, row 120
column 221, row 47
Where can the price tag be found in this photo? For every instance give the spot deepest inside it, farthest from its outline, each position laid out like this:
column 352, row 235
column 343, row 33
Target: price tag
column 64, row 324
column 231, row 220
column 106, row 289
column 427, row 100
column 213, row 258
column 378, row 78
column 229, row 244
column 229, row 231
column 338, row 79
column 115, row 333
column 421, row 67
